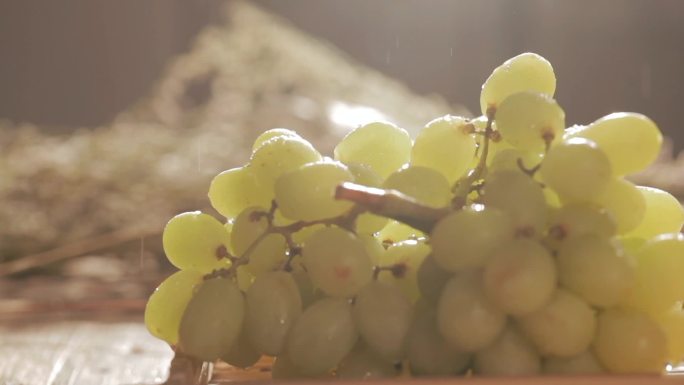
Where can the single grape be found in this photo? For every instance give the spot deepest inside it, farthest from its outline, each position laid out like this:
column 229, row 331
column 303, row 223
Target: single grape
column 511, row 354
column 519, row 196
column 466, row 238
column 337, row 262
column 431, row 279
column 664, row 214
column 244, row 278
column 406, row 256
column 624, row 202
column 466, row 318
column 242, row 354
column 593, row 268
column 584, row 363
column 629, row 342
column 671, row 322
column 266, row 253
column 382, row 146
column 630, row 140
column 212, row 320
column 520, row 277
column 166, row 305
column 273, row 304
column 363, row 364
column 525, row 72
column 383, row 316
column 576, row 169
column 234, row 190
column 447, row 145
column 530, row 121
column 279, row 155
column 196, row 241
column 322, row 336
column 423, row 184
column 564, row 327
column 576, row 219
column 273, row 133
column 374, row 248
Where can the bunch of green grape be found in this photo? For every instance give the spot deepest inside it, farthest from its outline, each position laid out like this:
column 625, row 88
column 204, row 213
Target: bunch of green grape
column 542, row 257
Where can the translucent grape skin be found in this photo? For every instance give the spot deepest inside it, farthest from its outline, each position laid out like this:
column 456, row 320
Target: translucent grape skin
column 196, row 241
column 446, row 145
column 664, row 214
column 530, row 121
column 166, row 305
column 367, row 223
column 273, row 304
column 272, row 133
column 242, row 354
column 671, row 323
column 322, row 336
column 525, row 72
column 268, row 253
column 431, row 280
column 382, row 146
column 425, row 185
column 519, row 196
column 279, row 155
column 212, row 320
column 409, row 255
column 584, row 363
column 337, row 262
column 363, row 364
column 234, row 190
column 624, row 202
column 576, row 219
column 510, row 355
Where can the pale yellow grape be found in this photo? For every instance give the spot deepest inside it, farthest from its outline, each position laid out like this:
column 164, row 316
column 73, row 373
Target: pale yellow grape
column 247, row 227
column 659, row 271
column 242, row 354
column 409, row 255
column 166, row 305
column 322, row 336
column 212, row 320
column 583, row 363
column 593, row 268
column 367, row 223
column 629, row 342
column 466, row 318
column 431, row 279
column 624, row 202
column 302, row 235
column 395, row 232
column 465, row 239
column 427, row 352
column 672, row 323
column 447, row 145
column 279, row 155
column 664, row 214
column 363, row 364
column 576, row 169
column 383, row 315
column 525, row 72
column 267, row 252
column 244, row 278
column 337, row 262
column 382, row 146
column 272, row 133
column 196, row 241
column 308, row 193
column 509, row 158
column 575, row 219
column 630, row 140
column 373, row 246
column 307, row 291
column 273, row 304
column 423, row 184
column 530, row 121
column 234, row 190
column 511, row 354
column 519, row 196
column 564, row 327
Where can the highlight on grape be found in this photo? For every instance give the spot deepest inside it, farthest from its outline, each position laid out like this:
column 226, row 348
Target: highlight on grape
column 507, row 244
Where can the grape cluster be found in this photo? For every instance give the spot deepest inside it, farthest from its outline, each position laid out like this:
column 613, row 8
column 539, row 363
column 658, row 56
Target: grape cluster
column 507, row 244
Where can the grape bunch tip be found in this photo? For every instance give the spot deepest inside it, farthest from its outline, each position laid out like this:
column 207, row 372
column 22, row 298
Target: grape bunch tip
column 506, row 244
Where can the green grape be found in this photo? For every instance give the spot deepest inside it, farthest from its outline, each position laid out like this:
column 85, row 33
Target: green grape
column 166, row 305
column 408, row 255
column 284, row 369
column 381, row 146
column 520, row 277
column 629, row 342
column 196, row 241
column 624, row 202
column 395, row 232
column 383, row 315
column 575, row 219
column 530, row 121
column 672, row 324
column 337, row 262
column 236, row 189
column 427, row 352
column 244, row 278
column 525, row 72
column 212, row 320
column 508, row 158
column 322, row 336
column 466, row 318
column 423, row 184
column 273, row 133
column 362, row 364
column 308, row 193
column 465, row 239
column 664, row 214
column 273, row 304
column 367, row 223
column 564, row 327
column 242, row 354
column 511, row 354
column 307, row 291
column 576, row 169
column 519, row 196
column 248, row 226
column 630, row 140
column 583, row 363
column 592, row 267
column 431, row 279
column 659, row 271
column 446, row 144
column 279, row 155
column 374, row 248
column 269, row 252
